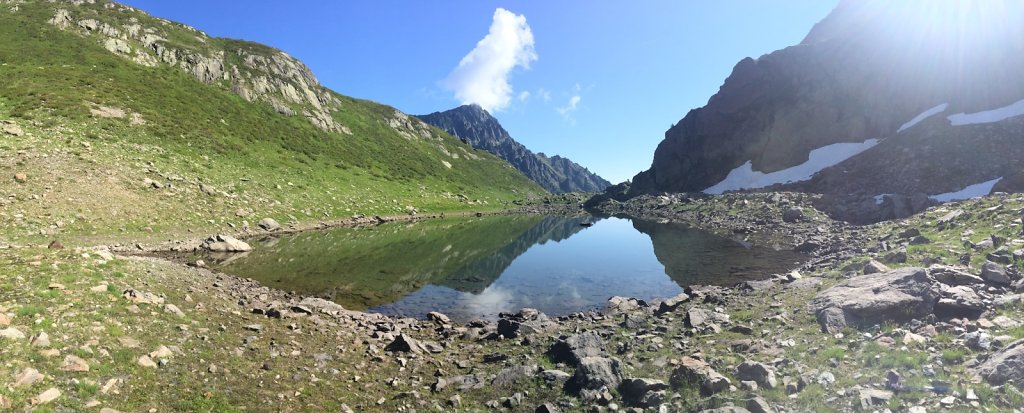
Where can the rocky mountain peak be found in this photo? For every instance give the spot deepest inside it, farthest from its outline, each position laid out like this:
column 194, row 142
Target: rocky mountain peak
column 868, row 82
column 474, row 125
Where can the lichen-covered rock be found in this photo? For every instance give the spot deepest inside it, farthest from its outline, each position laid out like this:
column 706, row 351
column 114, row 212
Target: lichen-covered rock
column 871, row 299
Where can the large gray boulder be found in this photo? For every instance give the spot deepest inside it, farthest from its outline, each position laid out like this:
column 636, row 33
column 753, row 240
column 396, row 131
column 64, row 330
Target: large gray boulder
column 594, row 373
column 865, row 300
column 1004, row 365
column 576, row 347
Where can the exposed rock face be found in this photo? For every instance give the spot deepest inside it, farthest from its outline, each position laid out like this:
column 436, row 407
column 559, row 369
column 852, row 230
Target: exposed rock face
column 874, row 298
column 1005, row 365
column 475, row 126
column 870, row 70
column 255, row 72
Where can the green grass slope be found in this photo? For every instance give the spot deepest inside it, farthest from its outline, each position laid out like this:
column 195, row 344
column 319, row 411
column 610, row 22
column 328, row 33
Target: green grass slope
column 219, row 159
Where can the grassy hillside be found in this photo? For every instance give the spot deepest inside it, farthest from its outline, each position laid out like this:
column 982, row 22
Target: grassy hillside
column 98, row 125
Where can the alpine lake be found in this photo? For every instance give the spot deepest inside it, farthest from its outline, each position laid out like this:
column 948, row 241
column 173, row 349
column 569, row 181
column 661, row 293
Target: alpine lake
column 475, row 268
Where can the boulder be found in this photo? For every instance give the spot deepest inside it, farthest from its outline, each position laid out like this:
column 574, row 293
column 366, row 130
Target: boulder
column 527, row 321
column 953, row 275
column 874, row 267
column 898, row 295
column 671, row 304
column 640, row 392
column 225, row 243
column 269, row 224
column 759, row 373
column 513, row 375
column 1004, row 365
column 793, row 215
column 692, row 371
column 959, row 301
column 576, row 347
column 594, row 373
column 995, row 273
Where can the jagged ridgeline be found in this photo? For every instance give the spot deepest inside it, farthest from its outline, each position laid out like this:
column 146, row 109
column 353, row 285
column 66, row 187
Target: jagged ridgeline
column 473, row 125
column 121, row 103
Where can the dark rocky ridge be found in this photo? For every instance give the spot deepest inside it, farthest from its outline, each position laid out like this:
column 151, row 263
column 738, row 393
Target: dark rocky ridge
column 861, row 73
column 475, row 126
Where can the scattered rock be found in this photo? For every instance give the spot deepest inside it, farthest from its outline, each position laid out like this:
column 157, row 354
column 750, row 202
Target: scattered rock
column 11, row 128
column 41, row 340
column 995, row 273
column 1004, row 365
column 874, row 267
column 692, row 371
column 75, row 363
column 671, row 304
column 269, row 224
column 146, row 361
column 45, row 397
column 594, row 373
column 641, row 392
column 512, row 375
column 173, row 309
column 874, row 397
column 225, row 243
column 759, row 373
column 526, row 322
column 759, row 405
column 12, row 333
column 576, row 347
column 793, row 215
column 27, row 377
column 405, row 344
column 897, row 295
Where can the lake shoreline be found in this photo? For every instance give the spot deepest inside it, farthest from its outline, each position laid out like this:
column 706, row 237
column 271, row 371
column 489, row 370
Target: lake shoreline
column 229, row 330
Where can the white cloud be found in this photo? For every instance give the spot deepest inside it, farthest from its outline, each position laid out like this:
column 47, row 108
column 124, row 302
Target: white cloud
column 573, row 104
column 482, row 75
column 571, row 107
column 544, row 94
column 524, row 96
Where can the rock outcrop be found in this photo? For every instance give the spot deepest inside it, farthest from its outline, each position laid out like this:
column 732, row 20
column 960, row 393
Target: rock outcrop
column 876, row 101
column 255, row 72
column 475, row 126
column 871, row 299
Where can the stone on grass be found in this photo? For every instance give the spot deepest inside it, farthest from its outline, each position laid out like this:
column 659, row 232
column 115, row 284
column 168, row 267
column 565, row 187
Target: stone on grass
column 692, row 371
column 45, row 397
column 759, row 373
column 865, row 300
column 1004, row 365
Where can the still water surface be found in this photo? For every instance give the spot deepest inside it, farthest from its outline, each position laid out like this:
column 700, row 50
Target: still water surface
column 472, row 268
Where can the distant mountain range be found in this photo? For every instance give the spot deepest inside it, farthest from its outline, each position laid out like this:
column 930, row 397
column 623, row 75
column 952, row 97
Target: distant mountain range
column 882, row 104
column 475, row 126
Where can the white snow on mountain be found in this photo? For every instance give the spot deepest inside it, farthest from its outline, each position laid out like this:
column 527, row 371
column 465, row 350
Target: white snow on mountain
column 745, row 177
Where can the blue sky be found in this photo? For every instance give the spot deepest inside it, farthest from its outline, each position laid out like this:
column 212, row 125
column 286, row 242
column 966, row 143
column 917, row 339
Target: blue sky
column 632, row 68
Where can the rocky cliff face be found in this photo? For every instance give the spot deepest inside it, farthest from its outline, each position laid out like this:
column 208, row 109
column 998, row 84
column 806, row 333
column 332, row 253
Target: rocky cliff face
column 255, row 72
column 475, row 126
column 915, row 97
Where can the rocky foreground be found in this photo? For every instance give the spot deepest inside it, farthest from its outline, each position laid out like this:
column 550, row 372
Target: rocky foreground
column 918, row 315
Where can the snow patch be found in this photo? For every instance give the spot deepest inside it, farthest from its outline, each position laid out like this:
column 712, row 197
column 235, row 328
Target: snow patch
column 971, row 191
column 924, row 115
column 745, row 177
column 988, row 116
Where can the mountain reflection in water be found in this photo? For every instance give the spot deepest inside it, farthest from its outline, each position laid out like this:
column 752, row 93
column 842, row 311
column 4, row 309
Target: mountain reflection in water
column 477, row 267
